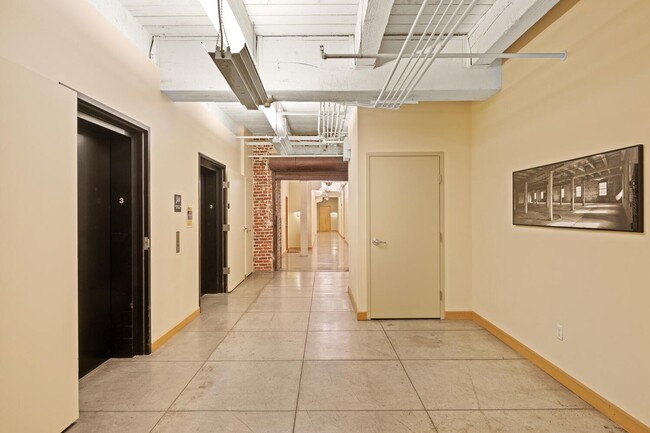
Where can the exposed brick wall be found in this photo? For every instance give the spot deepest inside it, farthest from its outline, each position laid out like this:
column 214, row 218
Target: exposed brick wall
column 262, row 211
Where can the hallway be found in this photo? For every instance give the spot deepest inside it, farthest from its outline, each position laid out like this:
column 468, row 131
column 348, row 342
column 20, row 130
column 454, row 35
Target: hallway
column 330, row 253
column 284, row 353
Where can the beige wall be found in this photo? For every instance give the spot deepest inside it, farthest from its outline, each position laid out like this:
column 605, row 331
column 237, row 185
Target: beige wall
column 427, row 127
column 38, row 258
column 294, row 206
column 596, row 284
column 70, row 42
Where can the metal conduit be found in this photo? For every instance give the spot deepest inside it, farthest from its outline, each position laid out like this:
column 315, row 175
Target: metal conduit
column 436, row 52
column 424, row 49
column 401, row 52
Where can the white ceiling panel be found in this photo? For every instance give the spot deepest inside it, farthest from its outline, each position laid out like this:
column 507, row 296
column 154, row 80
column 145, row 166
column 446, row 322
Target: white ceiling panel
column 303, row 17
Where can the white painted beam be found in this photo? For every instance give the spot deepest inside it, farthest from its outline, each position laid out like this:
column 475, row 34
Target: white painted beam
column 240, row 14
column 504, row 23
column 372, row 20
column 188, row 74
column 122, row 19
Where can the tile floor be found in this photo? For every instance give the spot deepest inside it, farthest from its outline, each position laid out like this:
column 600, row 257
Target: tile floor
column 284, row 353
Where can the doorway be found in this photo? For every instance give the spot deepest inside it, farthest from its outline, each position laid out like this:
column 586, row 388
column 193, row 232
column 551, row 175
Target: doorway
column 213, row 227
column 113, row 272
column 404, row 233
column 324, row 219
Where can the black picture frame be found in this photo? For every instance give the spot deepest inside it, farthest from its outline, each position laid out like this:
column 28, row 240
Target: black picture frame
column 602, row 191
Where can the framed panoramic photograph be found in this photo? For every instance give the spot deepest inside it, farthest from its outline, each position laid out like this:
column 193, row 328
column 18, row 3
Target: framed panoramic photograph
column 599, row 192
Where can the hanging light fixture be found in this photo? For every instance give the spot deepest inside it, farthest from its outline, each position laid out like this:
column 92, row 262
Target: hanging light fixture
column 239, row 70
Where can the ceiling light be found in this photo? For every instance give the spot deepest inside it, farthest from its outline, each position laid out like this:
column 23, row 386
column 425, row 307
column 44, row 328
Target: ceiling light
column 241, row 74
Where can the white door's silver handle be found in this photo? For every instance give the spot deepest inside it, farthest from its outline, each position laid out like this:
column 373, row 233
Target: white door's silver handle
column 378, row 242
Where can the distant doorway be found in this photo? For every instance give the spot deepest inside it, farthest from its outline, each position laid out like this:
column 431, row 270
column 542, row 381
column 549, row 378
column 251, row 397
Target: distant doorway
column 213, row 229
column 324, row 219
column 113, row 224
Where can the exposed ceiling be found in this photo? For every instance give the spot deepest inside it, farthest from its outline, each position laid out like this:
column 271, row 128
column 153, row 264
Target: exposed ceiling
column 285, row 36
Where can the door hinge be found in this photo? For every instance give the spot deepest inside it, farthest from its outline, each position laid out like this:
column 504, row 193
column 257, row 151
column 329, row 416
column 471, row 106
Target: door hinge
column 146, row 244
column 440, row 179
column 226, row 227
column 226, row 271
column 441, row 296
column 440, row 237
column 226, row 184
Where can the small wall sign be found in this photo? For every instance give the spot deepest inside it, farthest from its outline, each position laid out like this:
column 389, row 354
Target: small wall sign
column 189, row 217
column 177, row 203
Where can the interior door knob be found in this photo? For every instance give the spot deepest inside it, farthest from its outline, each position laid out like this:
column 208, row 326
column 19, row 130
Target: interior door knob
column 378, row 242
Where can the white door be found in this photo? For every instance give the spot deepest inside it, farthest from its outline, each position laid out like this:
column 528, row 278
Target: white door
column 248, row 228
column 404, row 218
column 237, row 234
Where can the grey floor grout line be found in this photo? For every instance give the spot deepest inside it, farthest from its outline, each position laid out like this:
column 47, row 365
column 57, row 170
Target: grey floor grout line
column 207, row 360
column 563, row 409
column 302, row 365
column 409, row 377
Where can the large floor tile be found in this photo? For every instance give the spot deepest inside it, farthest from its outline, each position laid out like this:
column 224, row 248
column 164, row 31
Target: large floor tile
column 331, row 303
column 226, row 422
column 244, row 386
column 115, row 422
column 449, row 345
column 540, row 421
column 370, row 345
column 134, row 386
column 505, row 384
column 363, row 422
column 186, row 346
column 247, row 291
column 261, row 346
column 321, row 292
column 280, row 304
column 211, row 322
column 356, row 385
column 428, row 325
column 224, row 304
column 286, row 292
column 340, row 321
column 279, row 321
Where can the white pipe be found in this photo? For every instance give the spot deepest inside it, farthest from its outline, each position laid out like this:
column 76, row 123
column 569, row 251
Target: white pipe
column 401, row 53
column 338, row 155
column 296, row 113
column 561, row 55
column 436, row 52
column 433, row 16
column 430, row 48
column 253, row 137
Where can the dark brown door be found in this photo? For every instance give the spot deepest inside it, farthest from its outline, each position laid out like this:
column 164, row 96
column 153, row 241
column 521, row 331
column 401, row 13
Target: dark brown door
column 213, row 217
column 104, row 246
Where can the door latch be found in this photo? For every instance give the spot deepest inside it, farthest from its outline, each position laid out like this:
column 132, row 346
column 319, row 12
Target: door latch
column 378, row 242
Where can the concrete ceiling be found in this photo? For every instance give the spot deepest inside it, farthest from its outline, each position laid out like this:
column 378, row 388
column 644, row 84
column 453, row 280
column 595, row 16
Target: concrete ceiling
column 285, row 36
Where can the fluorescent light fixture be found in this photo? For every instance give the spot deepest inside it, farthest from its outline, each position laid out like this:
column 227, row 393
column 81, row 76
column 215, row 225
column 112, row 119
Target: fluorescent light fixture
column 241, row 74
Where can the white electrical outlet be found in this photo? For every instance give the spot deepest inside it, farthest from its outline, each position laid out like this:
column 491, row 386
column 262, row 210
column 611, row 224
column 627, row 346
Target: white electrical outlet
column 559, row 332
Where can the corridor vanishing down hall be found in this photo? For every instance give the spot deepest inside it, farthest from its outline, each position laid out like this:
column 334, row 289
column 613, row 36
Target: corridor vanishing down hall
column 284, row 353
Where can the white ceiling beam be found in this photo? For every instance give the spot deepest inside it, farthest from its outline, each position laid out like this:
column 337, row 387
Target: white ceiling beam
column 372, row 20
column 122, row 19
column 188, row 74
column 240, row 13
column 279, row 125
column 504, row 23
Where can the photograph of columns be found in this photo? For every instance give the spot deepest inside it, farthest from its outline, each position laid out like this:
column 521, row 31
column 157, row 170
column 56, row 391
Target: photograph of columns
column 601, row 192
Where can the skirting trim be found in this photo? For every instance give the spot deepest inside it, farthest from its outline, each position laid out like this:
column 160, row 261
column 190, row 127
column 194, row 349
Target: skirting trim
column 607, row 408
column 169, row 334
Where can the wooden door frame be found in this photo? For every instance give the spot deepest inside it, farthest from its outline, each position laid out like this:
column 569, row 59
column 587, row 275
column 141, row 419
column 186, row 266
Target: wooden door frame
column 441, row 185
column 141, row 257
column 212, row 164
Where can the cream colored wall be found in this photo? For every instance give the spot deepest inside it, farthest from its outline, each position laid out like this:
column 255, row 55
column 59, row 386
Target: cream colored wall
column 70, row 42
column 596, row 284
column 38, row 258
column 294, row 221
column 427, row 127
column 284, row 195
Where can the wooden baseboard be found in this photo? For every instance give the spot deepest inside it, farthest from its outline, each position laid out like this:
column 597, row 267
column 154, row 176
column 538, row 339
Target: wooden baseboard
column 362, row 316
column 169, row 334
column 459, row 315
column 607, row 408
